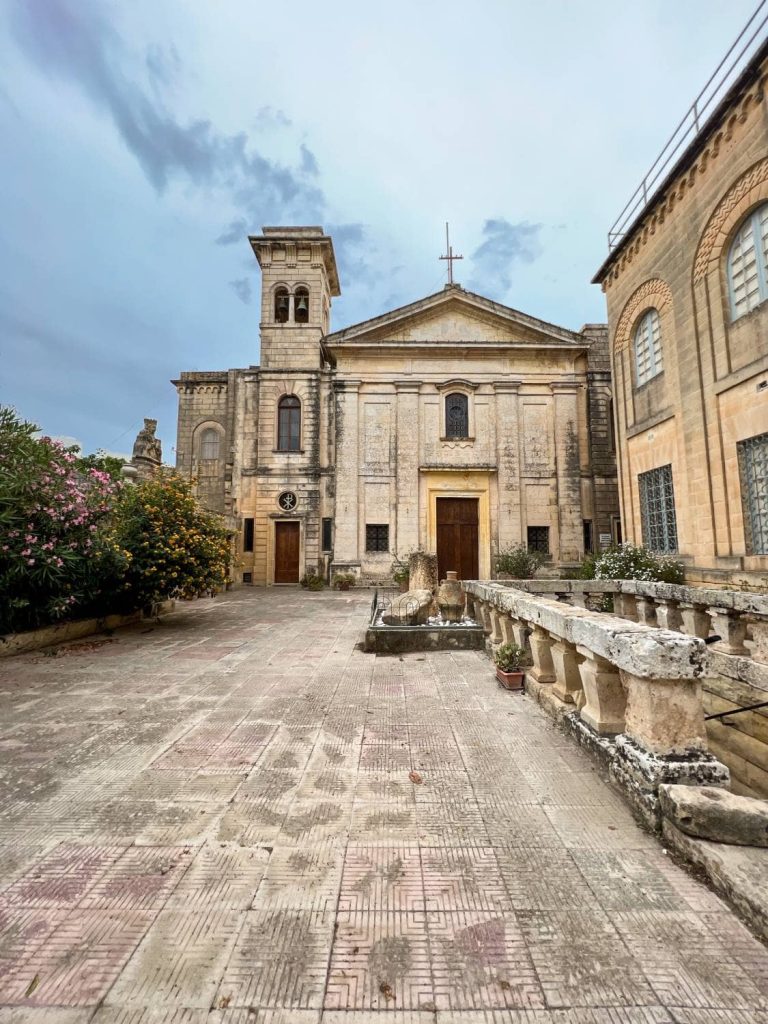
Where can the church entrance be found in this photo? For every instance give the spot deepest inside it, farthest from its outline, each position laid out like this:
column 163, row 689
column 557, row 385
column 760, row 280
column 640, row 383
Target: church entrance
column 287, row 538
column 457, row 537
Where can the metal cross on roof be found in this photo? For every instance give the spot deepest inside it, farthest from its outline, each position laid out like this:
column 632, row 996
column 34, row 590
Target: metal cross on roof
column 449, row 255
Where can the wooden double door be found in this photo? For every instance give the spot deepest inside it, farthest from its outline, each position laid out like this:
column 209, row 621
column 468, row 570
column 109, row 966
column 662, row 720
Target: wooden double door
column 287, row 551
column 457, row 537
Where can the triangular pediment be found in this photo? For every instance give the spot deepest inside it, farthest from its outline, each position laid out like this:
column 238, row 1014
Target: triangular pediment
column 454, row 316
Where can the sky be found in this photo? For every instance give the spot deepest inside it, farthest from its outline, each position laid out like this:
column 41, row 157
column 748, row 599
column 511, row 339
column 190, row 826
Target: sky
column 143, row 140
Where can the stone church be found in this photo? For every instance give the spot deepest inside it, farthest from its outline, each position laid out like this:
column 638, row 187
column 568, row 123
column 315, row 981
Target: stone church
column 453, row 424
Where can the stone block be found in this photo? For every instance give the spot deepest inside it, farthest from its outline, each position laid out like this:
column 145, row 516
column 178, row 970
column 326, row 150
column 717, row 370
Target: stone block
column 410, row 609
column 713, row 813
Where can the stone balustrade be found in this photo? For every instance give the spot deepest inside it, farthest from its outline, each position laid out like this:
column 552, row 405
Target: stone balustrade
column 628, row 688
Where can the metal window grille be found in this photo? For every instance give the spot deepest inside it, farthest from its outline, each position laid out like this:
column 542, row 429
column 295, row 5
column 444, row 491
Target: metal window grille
column 748, row 263
column 753, row 467
column 327, row 535
column 457, row 415
column 209, row 444
column 248, row 535
column 538, row 539
column 657, row 509
column 289, row 424
column 648, row 347
column 377, row 537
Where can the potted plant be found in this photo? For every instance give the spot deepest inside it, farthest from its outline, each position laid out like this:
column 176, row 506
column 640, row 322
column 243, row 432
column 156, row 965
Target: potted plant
column 509, row 659
column 343, row 581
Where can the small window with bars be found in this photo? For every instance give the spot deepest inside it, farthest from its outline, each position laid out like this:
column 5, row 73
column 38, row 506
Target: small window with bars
column 648, row 362
column 456, row 415
column 748, row 263
column 657, row 510
column 377, row 537
column 248, row 535
column 538, row 539
column 753, row 469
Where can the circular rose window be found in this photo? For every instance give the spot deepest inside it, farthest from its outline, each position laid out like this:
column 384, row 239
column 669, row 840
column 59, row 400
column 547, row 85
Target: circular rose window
column 288, row 501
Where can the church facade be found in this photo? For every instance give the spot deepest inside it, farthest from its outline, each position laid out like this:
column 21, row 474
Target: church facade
column 453, row 424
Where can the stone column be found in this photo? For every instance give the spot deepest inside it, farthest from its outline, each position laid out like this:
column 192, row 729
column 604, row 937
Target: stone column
column 669, row 616
column 496, row 636
column 507, row 624
column 732, row 627
column 646, row 611
column 605, row 699
column 626, row 606
column 407, row 483
column 566, row 661
column 696, row 621
column 520, row 637
column 509, row 525
column 541, row 651
column 568, row 469
column 347, row 511
column 665, row 716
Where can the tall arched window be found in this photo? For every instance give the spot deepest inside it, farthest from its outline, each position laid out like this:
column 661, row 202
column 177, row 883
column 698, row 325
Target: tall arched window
column 301, row 306
column 282, row 306
column 289, row 424
column 209, row 444
column 648, row 346
column 456, row 415
column 748, row 263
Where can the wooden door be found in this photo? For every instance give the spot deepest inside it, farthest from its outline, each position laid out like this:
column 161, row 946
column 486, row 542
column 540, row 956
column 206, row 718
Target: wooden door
column 287, row 552
column 457, row 537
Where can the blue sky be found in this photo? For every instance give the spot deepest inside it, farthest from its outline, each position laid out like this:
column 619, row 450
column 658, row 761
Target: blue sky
column 143, row 140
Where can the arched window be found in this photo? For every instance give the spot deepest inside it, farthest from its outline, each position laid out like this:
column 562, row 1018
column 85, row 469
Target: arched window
column 648, row 347
column 747, row 263
column 456, row 415
column 289, row 424
column 301, row 306
column 282, row 305
column 209, row 444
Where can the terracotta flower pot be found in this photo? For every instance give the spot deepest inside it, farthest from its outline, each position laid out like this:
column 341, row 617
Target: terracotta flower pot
column 510, row 680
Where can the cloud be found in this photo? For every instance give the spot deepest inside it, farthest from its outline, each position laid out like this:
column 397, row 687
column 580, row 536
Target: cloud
column 235, row 232
column 75, row 41
column 242, row 288
column 503, row 246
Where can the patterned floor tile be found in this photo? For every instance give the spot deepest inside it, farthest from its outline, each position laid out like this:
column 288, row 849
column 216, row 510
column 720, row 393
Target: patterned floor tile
column 307, row 877
column 380, row 961
column 222, row 875
column 382, row 878
column 63, row 878
column 463, row 879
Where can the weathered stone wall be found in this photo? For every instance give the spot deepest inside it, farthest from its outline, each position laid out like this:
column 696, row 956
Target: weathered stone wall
column 707, row 398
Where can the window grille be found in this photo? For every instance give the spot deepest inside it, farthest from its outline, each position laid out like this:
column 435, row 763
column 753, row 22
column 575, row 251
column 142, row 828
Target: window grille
column 589, row 541
column 538, row 539
column 377, row 537
column 327, row 535
column 648, row 347
column 753, row 467
column 209, row 444
column 456, row 415
column 289, row 424
column 248, row 535
column 657, row 509
column 747, row 263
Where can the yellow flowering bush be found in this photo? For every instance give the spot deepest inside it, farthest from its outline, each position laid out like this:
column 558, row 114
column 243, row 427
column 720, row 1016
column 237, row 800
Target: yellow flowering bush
column 176, row 548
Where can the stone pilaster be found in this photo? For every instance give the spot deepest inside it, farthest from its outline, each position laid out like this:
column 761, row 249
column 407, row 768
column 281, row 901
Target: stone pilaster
column 346, row 545
column 407, row 481
column 568, row 469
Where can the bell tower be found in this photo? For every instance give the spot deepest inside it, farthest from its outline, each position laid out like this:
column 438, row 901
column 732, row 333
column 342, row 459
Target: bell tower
column 298, row 281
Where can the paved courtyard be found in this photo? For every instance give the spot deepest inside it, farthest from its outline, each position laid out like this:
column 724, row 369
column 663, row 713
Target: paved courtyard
column 237, row 813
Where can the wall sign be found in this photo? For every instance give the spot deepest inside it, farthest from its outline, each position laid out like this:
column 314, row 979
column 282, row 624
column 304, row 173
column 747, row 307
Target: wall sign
column 288, row 501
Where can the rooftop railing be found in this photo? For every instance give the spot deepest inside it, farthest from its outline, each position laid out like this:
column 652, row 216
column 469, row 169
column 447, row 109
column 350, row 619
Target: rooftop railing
column 724, row 76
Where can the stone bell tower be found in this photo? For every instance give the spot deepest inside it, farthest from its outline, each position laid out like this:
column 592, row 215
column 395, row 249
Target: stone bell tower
column 298, row 281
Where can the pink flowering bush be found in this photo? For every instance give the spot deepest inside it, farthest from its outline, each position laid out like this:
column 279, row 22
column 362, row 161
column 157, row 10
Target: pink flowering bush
column 58, row 554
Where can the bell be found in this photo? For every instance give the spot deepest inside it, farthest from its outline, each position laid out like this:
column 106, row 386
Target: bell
column 301, row 305
column 282, row 302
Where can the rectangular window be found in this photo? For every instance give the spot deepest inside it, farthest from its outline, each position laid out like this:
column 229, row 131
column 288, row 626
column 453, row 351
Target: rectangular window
column 248, row 578
column 247, row 535
column 538, row 539
column 327, row 535
column 657, row 509
column 753, row 470
column 377, row 537
column 589, row 542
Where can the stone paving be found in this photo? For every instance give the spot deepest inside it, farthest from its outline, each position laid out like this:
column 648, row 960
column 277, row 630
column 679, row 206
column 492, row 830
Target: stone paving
column 237, row 814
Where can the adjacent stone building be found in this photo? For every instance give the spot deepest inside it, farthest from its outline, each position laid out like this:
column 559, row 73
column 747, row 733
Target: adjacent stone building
column 686, row 284
column 453, row 424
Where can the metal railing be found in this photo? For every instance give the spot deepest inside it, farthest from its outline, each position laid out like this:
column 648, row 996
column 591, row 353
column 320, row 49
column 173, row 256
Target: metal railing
column 723, row 77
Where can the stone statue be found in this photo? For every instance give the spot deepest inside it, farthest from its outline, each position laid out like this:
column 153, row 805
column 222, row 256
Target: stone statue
column 147, row 451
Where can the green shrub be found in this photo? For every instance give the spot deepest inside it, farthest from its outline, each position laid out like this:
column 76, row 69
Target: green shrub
column 509, row 657
column 311, row 581
column 400, row 571
column 629, row 562
column 518, row 562
column 344, row 580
